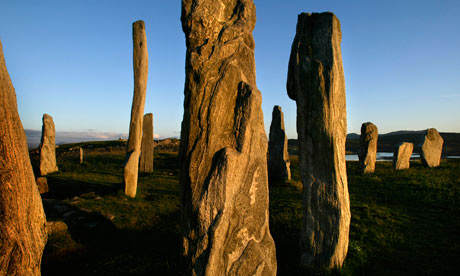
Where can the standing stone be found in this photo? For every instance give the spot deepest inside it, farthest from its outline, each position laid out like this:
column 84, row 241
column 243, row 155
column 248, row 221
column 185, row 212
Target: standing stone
column 140, row 64
column 22, row 219
column 48, row 147
column 278, row 157
column 368, row 147
column 146, row 165
column 316, row 82
column 81, row 155
column 401, row 156
column 223, row 146
column 431, row 148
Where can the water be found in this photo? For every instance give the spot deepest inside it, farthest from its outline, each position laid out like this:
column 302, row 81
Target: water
column 388, row 156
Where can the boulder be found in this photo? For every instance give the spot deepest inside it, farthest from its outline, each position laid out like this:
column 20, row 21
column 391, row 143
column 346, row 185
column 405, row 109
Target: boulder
column 401, row 156
column 48, row 147
column 223, row 146
column 42, row 184
column 140, row 64
column 431, row 148
column 22, row 219
column 316, row 82
column 146, row 165
column 278, row 157
column 368, row 147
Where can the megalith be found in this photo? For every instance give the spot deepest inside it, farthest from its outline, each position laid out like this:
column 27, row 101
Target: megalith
column 48, row 146
column 278, row 157
column 368, row 147
column 147, row 146
column 223, row 146
column 140, row 64
column 401, row 156
column 316, row 82
column 81, row 155
column 22, row 219
column 431, row 148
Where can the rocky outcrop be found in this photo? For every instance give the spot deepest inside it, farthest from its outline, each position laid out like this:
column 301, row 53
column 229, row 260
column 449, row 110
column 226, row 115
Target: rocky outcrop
column 316, row 82
column 401, row 156
column 140, row 64
column 48, row 146
column 279, row 167
column 431, row 148
column 146, row 165
column 22, row 219
column 368, row 147
column 223, row 148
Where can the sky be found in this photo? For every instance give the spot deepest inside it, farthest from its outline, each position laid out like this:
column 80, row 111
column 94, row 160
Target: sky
column 73, row 60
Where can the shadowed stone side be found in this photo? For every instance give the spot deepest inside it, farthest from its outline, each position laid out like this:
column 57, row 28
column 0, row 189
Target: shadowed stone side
column 368, row 147
column 140, row 64
column 431, row 148
column 48, row 147
column 278, row 157
column 146, row 165
column 223, row 146
column 316, row 82
column 22, row 219
column 401, row 156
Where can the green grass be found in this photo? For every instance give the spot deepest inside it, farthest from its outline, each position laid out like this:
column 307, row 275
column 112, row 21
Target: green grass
column 403, row 222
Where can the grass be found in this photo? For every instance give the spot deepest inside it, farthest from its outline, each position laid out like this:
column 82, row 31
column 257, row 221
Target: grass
column 403, row 222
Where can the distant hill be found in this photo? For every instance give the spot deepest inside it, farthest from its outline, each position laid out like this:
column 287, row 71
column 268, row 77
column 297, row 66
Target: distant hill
column 66, row 137
column 388, row 141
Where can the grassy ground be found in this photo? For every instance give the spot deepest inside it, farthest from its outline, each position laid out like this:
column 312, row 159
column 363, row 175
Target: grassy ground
column 403, row 222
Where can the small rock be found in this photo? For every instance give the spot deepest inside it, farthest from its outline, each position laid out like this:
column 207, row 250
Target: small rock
column 69, row 213
column 42, row 184
column 55, row 226
column 60, row 208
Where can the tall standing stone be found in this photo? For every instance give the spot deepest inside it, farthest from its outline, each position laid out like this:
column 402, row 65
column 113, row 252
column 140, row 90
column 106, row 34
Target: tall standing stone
column 316, row 82
column 22, row 219
column 401, row 156
column 140, row 64
column 278, row 157
column 81, row 155
column 431, row 148
column 147, row 146
column 223, row 145
column 368, row 147
column 48, row 146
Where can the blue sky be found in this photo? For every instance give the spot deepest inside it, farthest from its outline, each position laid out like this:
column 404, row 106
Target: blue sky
column 73, row 60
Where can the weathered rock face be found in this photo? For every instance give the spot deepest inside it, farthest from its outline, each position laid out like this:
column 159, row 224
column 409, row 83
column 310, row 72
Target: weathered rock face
column 223, row 146
column 368, row 147
column 146, row 165
column 278, row 157
column 431, row 148
column 401, row 156
column 316, row 82
column 140, row 64
column 81, row 155
column 48, row 146
column 22, row 219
